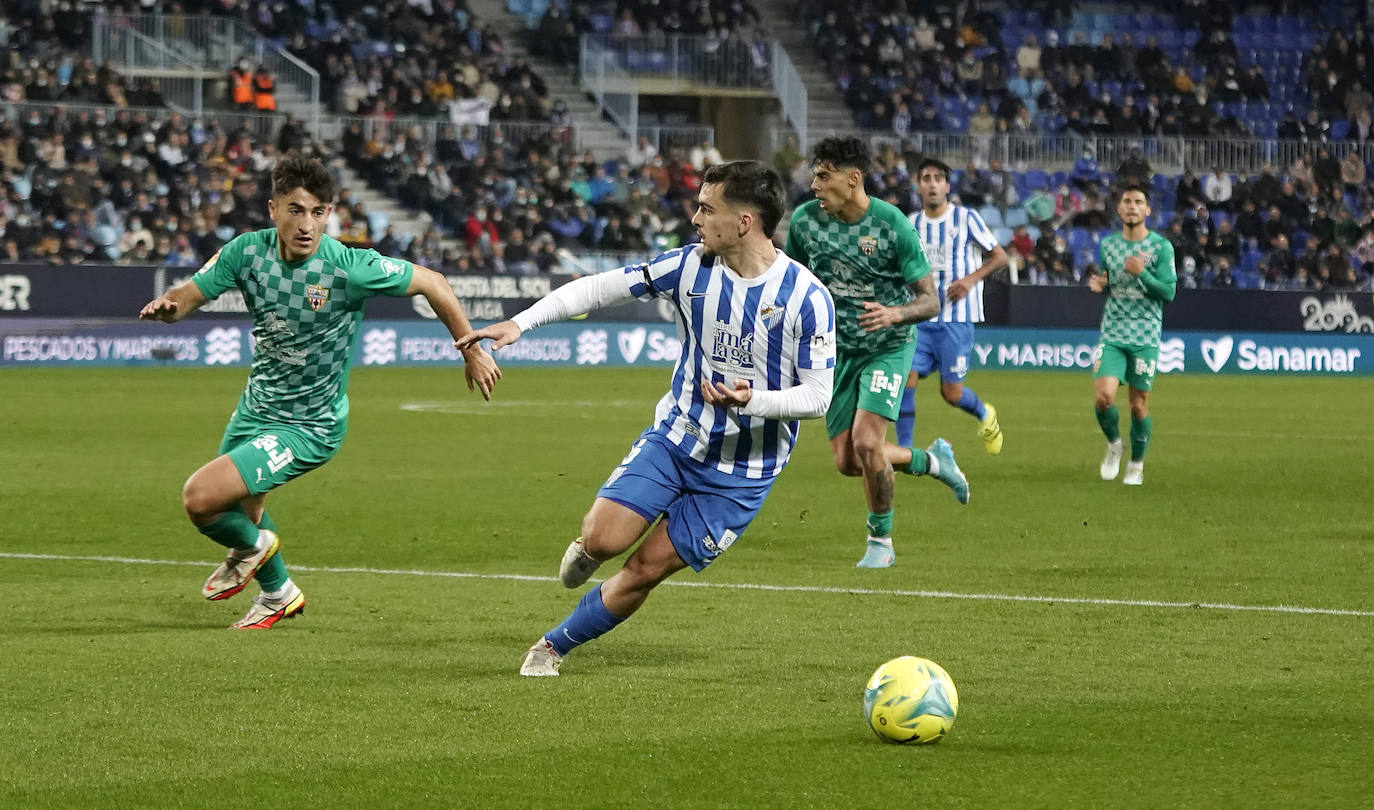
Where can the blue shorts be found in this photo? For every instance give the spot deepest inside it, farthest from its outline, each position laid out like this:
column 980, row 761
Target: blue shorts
column 707, row 510
column 943, row 347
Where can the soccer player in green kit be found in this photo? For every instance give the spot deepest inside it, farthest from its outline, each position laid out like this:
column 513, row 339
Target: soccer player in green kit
column 305, row 292
column 1139, row 279
column 869, row 256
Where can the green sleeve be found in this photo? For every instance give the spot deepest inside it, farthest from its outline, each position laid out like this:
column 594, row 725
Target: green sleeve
column 795, row 250
column 913, row 257
column 222, row 270
column 1160, row 281
column 371, row 274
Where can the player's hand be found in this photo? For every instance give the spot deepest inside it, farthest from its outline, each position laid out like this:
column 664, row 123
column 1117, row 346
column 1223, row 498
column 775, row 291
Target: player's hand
column 876, row 316
column 159, row 309
column 1097, row 282
column 500, row 334
column 480, row 370
column 718, row 393
column 1135, row 264
column 959, row 288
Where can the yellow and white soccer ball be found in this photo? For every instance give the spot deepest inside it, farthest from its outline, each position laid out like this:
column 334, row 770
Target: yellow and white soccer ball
column 910, row 700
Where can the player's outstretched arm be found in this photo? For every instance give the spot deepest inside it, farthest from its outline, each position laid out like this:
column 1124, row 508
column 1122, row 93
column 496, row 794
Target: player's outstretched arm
column 479, row 368
column 174, row 304
column 500, row 334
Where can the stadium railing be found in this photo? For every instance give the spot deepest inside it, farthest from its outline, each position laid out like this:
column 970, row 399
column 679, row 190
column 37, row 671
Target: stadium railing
column 181, row 80
column 1166, row 155
column 791, row 91
column 259, row 125
column 682, row 63
column 216, row 43
column 616, row 93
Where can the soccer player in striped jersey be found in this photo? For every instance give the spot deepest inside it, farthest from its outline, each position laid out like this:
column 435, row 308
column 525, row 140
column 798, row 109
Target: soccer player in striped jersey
column 870, row 257
column 962, row 251
column 305, row 291
column 758, row 354
column 1139, row 279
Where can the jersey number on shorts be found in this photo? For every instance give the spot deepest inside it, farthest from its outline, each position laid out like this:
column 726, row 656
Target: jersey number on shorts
column 1144, row 368
column 277, row 456
column 885, row 383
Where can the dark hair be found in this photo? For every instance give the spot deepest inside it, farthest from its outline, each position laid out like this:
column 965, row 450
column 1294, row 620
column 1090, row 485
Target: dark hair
column 294, row 171
column 1144, row 192
column 751, row 184
column 843, row 153
column 932, row 163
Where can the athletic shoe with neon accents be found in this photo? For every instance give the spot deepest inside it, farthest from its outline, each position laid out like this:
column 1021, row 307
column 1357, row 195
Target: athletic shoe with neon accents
column 949, row 473
column 878, row 555
column 266, row 612
column 1135, row 473
column 990, row 431
column 542, row 660
column 577, row 565
column 1111, row 462
column 237, row 571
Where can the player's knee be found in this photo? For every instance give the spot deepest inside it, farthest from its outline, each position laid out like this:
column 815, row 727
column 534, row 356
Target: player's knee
column 952, row 395
column 1102, row 402
column 198, row 502
column 600, row 539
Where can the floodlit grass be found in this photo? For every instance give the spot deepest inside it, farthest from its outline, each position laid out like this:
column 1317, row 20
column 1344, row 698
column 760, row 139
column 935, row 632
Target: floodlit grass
column 1126, row 678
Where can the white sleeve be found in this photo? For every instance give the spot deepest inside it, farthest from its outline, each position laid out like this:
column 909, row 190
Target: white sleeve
column 577, row 297
column 809, row 400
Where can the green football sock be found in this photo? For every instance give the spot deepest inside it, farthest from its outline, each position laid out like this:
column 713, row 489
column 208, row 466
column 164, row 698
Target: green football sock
column 919, row 464
column 880, row 525
column 1110, row 421
column 233, row 530
column 272, row 575
column 1140, row 438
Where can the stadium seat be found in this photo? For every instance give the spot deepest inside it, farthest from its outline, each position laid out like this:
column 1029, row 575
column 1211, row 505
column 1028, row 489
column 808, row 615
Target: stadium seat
column 992, row 217
column 377, row 222
column 1016, row 217
column 1035, row 178
column 1242, row 24
column 1340, row 128
column 1080, row 239
column 1002, row 235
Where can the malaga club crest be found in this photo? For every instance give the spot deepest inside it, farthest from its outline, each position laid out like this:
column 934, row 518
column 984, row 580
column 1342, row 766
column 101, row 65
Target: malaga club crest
column 316, row 295
column 868, row 244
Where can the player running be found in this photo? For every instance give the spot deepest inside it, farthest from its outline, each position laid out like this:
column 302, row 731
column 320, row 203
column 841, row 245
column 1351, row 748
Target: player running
column 1139, row 279
column 758, row 354
column 870, row 257
column 962, row 251
column 305, row 292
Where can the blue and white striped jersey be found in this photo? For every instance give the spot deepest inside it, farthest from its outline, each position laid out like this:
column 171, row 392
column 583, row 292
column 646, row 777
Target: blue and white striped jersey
column 954, row 244
column 760, row 329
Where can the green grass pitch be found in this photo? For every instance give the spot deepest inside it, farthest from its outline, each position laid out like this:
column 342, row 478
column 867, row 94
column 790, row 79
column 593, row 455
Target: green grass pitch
column 1129, row 675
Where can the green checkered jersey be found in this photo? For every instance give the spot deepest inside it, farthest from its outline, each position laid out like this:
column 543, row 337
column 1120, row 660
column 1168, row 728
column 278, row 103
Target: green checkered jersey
column 874, row 259
column 1134, row 314
column 305, row 321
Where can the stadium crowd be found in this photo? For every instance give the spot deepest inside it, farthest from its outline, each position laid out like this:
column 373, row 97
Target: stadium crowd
column 105, row 184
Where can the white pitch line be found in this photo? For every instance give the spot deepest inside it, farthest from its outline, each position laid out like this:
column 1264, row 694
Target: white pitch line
column 745, row 586
column 1218, row 434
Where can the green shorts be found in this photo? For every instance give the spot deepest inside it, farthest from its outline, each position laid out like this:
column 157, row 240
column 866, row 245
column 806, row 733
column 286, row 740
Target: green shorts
column 1134, row 364
column 268, row 454
column 868, row 382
